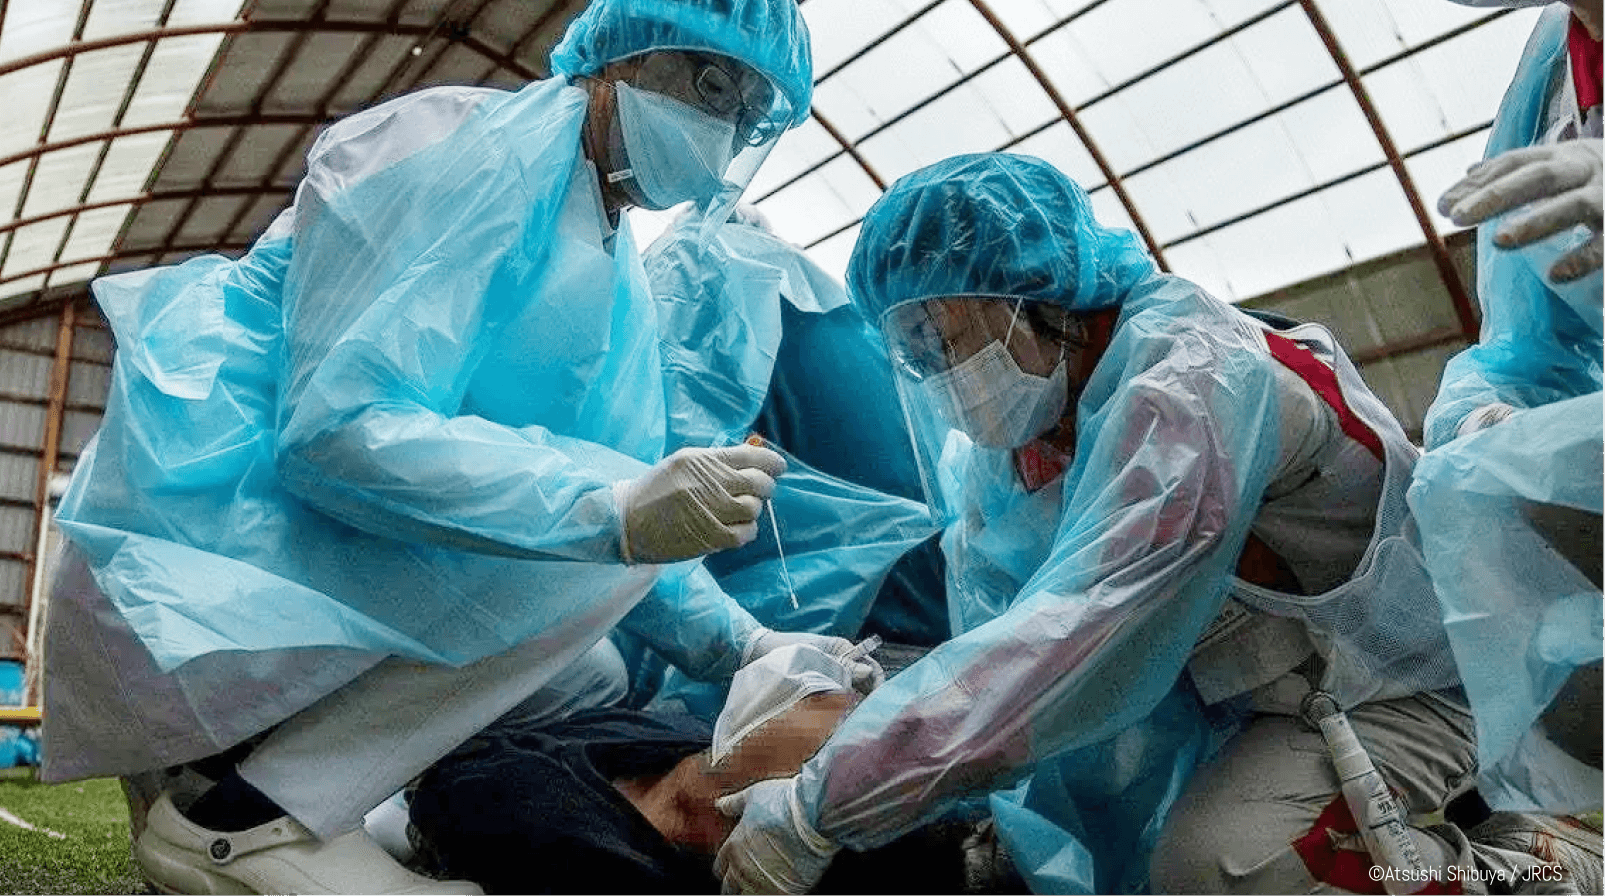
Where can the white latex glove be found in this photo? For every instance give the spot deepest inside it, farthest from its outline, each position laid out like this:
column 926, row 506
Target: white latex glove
column 867, row 674
column 695, row 501
column 773, row 848
column 1556, row 186
column 1484, row 417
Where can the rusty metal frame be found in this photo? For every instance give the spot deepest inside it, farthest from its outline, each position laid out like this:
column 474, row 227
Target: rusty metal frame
column 51, row 109
column 1456, row 287
column 1349, row 76
column 303, row 29
column 55, row 413
column 850, row 147
column 1069, row 115
column 449, row 27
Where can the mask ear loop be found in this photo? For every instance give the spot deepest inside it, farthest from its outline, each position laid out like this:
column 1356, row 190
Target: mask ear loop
column 1019, row 301
column 1012, row 318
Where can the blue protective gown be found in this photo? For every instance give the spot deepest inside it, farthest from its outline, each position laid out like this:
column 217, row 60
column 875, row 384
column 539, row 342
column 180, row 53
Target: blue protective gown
column 756, row 337
column 1505, row 593
column 394, row 426
column 1078, row 606
column 1540, row 341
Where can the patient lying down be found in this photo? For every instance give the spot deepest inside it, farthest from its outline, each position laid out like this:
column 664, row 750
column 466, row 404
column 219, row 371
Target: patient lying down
column 607, row 800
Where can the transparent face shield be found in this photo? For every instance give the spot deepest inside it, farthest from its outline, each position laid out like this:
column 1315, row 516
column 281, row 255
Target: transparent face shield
column 980, row 372
column 696, row 126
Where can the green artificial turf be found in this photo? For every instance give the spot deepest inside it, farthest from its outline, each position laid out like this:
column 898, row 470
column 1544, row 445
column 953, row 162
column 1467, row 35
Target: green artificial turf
column 92, row 857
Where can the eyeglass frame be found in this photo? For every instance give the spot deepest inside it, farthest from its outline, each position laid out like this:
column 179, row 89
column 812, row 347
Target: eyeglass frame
column 1070, row 333
column 753, row 123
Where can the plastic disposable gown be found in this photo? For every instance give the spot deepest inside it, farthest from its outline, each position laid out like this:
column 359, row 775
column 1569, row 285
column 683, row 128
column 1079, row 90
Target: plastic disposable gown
column 1541, row 341
column 1505, row 593
column 1078, row 605
column 394, row 426
column 751, row 332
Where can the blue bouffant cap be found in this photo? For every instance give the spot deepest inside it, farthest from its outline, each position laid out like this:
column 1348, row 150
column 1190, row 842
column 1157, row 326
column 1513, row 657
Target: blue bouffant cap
column 768, row 35
column 991, row 224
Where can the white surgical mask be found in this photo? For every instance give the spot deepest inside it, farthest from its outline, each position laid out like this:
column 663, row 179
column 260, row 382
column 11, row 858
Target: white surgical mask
column 676, row 152
column 999, row 405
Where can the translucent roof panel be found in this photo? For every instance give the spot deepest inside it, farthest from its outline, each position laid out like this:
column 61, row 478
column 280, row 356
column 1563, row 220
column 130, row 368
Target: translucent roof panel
column 94, row 91
column 1239, row 132
column 1247, row 142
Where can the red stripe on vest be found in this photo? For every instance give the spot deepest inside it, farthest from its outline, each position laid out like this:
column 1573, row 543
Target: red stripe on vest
column 1323, row 380
column 1347, row 868
column 1585, row 54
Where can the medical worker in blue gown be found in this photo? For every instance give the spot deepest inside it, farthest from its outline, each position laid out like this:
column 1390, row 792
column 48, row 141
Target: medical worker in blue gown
column 1509, row 493
column 757, row 338
column 1165, row 524
column 400, row 469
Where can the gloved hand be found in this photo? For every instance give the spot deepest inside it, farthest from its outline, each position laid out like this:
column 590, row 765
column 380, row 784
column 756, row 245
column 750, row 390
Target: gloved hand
column 695, row 501
column 867, row 674
column 1558, row 183
column 773, row 848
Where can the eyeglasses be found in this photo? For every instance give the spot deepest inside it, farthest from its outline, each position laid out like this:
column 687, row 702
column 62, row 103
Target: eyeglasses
column 742, row 97
column 927, row 338
column 719, row 92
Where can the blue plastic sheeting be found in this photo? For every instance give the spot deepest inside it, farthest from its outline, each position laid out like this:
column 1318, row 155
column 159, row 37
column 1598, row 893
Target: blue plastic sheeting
column 17, row 747
column 1541, row 341
column 841, row 541
column 1519, row 616
column 11, row 683
column 1087, row 821
column 396, row 426
column 757, row 337
column 1505, row 593
column 769, row 36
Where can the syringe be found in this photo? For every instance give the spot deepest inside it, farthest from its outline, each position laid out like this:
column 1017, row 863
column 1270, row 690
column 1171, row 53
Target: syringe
column 774, row 526
column 862, row 649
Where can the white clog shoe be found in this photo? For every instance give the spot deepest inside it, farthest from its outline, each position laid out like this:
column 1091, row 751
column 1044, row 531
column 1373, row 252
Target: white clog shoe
column 281, row 856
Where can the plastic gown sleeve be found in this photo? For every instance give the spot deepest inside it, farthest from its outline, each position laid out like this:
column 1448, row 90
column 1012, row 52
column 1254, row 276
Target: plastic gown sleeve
column 1540, row 340
column 1174, row 451
column 396, row 282
column 690, row 621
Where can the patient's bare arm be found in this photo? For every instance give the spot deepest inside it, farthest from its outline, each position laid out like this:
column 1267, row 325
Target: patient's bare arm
column 680, row 803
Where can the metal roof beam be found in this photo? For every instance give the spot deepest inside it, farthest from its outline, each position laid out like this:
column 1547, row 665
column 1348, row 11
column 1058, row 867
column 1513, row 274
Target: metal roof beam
column 1069, row 115
column 142, row 199
column 1440, row 253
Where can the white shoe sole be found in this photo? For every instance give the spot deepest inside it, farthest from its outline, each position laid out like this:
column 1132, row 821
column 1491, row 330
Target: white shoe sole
column 173, row 871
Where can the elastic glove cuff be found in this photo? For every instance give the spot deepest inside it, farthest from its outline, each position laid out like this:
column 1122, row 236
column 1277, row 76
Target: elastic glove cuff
column 751, row 648
column 621, row 500
column 818, row 843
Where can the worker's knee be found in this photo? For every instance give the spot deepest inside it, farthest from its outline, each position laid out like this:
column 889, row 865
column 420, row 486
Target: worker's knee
column 597, row 678
column 1191, row 855
column 1202, row 852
